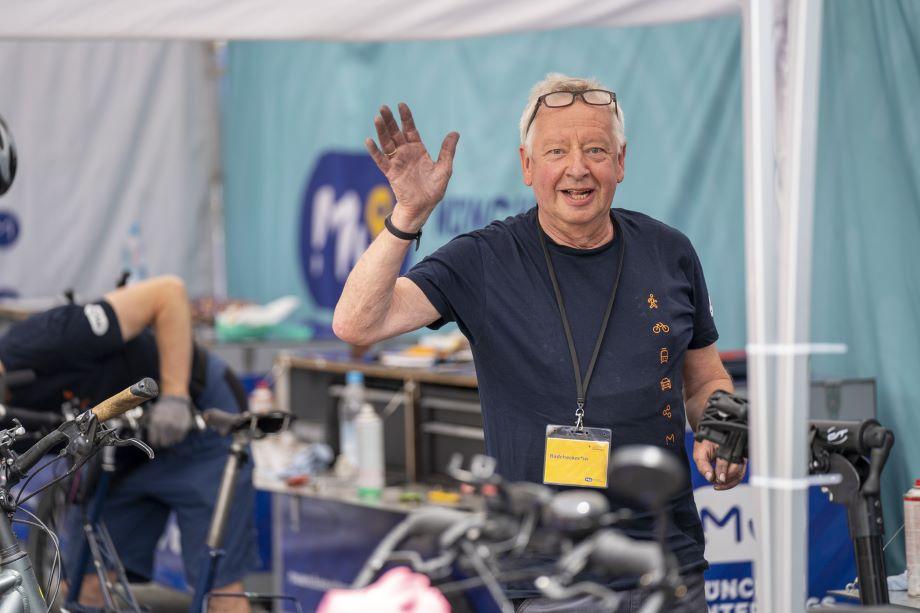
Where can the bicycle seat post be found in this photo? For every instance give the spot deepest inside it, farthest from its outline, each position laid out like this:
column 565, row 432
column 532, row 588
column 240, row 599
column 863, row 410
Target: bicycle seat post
column 238, row 455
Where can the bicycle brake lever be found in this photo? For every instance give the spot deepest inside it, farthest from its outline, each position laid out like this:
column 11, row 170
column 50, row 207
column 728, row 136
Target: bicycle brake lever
column 133, row 442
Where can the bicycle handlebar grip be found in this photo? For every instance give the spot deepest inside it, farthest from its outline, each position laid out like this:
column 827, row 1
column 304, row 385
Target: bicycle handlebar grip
column 125, row 400
column 222, row 421
column 620, row 556
column 14, row 378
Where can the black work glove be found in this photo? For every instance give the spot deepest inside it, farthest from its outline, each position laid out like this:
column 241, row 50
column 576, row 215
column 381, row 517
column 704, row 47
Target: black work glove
column 168, row 420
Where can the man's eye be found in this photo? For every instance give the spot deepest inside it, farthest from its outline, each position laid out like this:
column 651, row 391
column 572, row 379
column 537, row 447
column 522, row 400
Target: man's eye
column 554, row 152
column 596, row 151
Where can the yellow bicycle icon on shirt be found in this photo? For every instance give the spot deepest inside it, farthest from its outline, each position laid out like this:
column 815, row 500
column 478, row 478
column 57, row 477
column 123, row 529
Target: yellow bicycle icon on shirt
column 661, row 327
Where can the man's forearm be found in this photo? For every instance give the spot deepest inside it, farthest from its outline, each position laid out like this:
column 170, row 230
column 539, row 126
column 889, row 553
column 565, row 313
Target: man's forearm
column 172, row 327
column 368, row 293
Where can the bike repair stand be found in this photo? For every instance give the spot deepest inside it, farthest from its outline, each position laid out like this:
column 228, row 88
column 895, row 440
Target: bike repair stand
column 98, row 544
column 239, row 455
column 859, row 490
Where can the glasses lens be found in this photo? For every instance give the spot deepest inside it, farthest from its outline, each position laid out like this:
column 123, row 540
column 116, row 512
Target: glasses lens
column 597, row 96
column 557, row 99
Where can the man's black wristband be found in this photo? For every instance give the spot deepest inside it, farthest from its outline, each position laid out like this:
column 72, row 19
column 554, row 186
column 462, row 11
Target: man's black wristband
column 406, row 236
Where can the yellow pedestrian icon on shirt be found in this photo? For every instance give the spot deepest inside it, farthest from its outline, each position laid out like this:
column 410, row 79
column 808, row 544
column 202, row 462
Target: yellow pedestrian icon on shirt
column 665, row 384
column 652, row 301
column 660, row 327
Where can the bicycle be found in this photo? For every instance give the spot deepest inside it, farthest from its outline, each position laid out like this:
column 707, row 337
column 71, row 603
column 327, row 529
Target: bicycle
column 84, row 435
column 115, row 589
column 577, row 528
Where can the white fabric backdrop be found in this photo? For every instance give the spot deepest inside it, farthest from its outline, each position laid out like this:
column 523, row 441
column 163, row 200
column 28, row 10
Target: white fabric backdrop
column 108, row 134
column 344, row 20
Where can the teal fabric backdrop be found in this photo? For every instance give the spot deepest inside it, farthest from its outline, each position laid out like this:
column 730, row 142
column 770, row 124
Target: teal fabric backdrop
column 286, row 104
column 867, row 220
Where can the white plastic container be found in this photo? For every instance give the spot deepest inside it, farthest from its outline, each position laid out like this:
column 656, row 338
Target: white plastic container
column 369, row 429
column 349, row 407
column 912, row 538
column 262, row 400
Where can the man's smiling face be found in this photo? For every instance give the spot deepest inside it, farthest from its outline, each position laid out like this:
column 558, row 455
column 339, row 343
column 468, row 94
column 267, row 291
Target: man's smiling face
column 574, row 165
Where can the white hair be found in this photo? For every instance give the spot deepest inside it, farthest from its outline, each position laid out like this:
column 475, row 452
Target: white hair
column 558, row 82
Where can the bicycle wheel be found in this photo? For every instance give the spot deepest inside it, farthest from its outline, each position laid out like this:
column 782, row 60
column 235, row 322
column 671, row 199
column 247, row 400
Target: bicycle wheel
column 53, row 510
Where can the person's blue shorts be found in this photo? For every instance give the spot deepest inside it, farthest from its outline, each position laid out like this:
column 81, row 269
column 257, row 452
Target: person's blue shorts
column 185, row 479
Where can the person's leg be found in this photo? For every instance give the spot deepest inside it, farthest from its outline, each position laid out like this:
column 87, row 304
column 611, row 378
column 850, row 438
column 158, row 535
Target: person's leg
column 135, row 522
column 228, row 604
column 193, row 501
column 204, row 455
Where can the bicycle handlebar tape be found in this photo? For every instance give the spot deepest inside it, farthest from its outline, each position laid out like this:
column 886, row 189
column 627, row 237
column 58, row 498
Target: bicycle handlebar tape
column 125, row 400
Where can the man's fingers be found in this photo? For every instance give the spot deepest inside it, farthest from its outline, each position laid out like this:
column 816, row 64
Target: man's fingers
column 382, row 161
column 448, row 149
column 734, row 474
column 721, row 471
column 392, row 127
column 702, row 457
column 387, row 144
column 408, row 124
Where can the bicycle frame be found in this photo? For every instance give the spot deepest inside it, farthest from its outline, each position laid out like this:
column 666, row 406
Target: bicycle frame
column 19, row 590
column 97, row 546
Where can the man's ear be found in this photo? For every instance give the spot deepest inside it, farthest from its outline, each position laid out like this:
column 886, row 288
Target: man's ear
column 526, row 166
column 621, row 165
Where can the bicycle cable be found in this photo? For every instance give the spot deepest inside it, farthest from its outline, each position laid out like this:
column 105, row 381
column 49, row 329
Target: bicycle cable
column 58, row 560
column 71, row 471
column 22, row 488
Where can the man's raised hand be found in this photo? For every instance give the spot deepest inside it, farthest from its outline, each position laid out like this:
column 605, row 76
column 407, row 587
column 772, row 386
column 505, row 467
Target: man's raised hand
column 418, row 182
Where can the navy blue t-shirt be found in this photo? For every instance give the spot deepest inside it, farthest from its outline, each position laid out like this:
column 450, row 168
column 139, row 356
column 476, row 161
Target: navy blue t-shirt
column 75, row 350
column 495, row 284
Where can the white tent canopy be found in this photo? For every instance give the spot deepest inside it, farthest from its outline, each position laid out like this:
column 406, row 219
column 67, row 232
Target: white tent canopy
column 342, row 20
column 778, row 194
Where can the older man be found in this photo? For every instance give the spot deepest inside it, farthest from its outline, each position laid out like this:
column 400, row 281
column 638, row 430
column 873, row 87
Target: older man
column 581, row 318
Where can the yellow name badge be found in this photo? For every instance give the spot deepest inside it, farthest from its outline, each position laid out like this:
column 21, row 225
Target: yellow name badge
column 576, row 457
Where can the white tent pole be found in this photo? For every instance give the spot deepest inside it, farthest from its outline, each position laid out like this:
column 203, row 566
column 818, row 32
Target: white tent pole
column 779, row 576
column 778, row 287
column 796, row 204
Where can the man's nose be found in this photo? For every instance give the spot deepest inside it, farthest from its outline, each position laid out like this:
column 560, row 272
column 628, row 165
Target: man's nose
column 576, row 167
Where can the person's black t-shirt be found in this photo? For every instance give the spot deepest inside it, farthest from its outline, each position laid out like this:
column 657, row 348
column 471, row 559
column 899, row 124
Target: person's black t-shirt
column 495, row 284
column 75, row 350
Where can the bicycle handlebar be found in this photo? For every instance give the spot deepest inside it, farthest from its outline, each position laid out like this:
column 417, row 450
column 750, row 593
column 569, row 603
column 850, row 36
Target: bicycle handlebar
column 259, row 424
column 14, row 378
column 125, row 400
column 33, row 454
column 31, row 420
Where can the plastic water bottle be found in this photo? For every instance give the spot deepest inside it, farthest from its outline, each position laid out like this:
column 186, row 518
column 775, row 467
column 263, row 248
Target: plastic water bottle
column 369, row 429
column 349, row 407
column 132, row 254
column 262, row 400
column 912, row 538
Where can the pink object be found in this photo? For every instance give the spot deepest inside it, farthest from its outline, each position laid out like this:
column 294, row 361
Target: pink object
column 398, row 591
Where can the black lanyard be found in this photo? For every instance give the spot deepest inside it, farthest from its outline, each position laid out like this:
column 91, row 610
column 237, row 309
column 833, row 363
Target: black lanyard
column 582, row 386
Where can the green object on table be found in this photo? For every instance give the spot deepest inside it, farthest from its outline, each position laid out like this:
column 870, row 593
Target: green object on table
column 230, row 333
column 410, row 497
